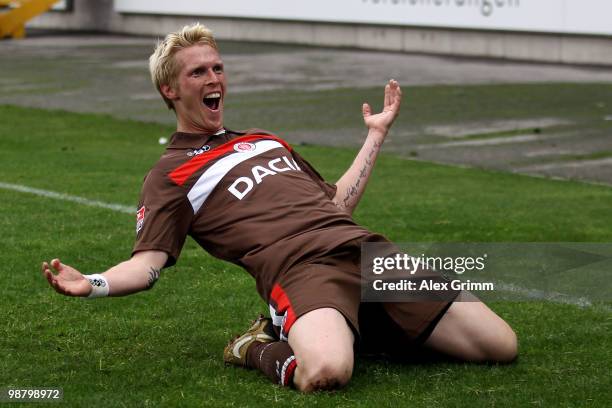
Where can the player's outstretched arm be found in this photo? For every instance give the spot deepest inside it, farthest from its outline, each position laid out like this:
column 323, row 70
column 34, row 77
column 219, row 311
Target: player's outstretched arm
column 134, row 275
column 352, row 184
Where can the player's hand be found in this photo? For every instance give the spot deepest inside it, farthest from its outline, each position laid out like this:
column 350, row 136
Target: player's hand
column 65, row 279
column 381, row 122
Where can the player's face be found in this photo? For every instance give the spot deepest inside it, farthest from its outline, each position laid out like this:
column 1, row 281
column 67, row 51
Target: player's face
column 201, row 89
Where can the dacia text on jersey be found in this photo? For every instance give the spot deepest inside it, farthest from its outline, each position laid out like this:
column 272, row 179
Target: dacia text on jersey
column 243, row 185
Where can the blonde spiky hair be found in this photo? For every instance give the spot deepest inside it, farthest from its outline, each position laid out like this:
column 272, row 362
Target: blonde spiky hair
column 163, row 66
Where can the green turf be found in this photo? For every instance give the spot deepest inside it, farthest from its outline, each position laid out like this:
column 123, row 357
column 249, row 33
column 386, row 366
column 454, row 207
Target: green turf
column 163, row 347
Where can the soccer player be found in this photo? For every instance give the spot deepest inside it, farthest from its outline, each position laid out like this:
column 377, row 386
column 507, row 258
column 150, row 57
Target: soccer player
column 249, row 198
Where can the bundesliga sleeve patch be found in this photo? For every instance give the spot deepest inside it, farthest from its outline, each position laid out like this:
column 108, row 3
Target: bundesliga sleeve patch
column 140, row 217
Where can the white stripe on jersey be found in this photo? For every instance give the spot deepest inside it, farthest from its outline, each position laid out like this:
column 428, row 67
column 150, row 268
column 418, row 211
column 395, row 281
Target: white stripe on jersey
column 215, row 173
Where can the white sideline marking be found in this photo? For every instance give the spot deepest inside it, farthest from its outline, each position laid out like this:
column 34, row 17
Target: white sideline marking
column 505, row 287
column 554, row 297
column 541, row 295
column 67, row 197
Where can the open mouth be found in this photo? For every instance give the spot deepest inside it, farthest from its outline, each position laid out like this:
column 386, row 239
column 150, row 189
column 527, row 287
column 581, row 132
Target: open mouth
column 212, row 100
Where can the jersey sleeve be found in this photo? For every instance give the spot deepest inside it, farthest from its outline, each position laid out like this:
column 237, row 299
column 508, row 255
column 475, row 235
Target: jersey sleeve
column 163, row 218
column 328, row 188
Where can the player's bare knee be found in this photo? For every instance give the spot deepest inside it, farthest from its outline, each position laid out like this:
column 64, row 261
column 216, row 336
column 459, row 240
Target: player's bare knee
column 324, row 374
column 508, row 349
column 503, row 348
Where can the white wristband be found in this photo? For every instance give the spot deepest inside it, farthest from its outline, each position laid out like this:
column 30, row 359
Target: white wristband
column 99, row 286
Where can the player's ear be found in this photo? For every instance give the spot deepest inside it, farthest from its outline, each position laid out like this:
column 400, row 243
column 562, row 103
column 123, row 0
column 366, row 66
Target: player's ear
column 169, row 92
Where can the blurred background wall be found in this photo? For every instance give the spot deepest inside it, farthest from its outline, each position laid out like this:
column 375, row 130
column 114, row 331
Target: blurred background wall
column 556, row 31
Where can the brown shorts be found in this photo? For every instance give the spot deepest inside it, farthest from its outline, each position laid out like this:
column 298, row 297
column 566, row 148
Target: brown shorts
column 334, row 280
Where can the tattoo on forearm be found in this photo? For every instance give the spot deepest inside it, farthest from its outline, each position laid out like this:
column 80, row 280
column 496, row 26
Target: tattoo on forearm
column 153, row 277
column 362, row 172
column 375, row 148
column 353, row 190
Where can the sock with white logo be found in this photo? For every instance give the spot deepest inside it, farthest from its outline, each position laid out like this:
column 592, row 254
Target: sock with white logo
column 276, row 360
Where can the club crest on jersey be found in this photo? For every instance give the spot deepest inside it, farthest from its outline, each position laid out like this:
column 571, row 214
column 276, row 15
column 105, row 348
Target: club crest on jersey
column 244, row 147
column 140, row 217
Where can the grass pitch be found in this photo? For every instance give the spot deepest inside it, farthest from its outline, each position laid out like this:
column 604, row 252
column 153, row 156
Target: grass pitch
column 164, row 347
